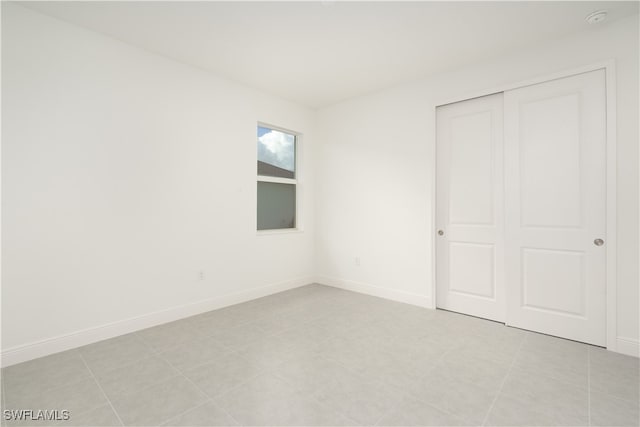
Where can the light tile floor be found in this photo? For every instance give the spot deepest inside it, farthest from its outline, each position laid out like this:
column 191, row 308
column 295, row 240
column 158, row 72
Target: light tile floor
column 321, row 356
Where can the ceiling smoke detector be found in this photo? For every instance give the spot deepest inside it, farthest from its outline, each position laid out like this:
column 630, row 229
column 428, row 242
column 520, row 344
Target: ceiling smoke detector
column 596, row 17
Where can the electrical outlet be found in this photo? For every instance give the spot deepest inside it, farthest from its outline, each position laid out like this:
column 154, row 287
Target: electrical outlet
column 200, row 275
column 358, row 261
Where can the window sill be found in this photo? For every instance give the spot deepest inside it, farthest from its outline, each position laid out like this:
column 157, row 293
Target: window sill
column 279, row 231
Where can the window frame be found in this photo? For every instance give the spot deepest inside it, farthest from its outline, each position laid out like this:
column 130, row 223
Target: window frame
column 279, row 180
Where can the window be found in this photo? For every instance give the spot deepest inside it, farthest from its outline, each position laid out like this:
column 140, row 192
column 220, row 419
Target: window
column 277, row 182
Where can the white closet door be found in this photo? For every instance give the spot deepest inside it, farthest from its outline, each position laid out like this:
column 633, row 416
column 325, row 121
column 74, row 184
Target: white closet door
column 470, row 248
column 555, row 154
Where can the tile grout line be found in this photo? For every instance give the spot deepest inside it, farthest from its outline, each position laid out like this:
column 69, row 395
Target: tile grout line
column 267, row 334
column 55, row 387
column 231, row 350
column 159, row 353
column 167, row 422
column 101, row 389
column 67, row 384
column 405, row 394
column 504, row 380
column 180, row 372
column 312, row 396
column 208, row 399
column 589, row 386
column 555, row 377
column 274, row 371
column 3, row 422
column 4, row 394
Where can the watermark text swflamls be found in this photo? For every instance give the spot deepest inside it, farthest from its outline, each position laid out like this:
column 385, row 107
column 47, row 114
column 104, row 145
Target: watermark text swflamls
column 36, row 415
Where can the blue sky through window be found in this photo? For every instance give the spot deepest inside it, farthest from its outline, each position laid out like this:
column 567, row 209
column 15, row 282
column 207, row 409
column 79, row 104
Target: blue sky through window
column 276, row 148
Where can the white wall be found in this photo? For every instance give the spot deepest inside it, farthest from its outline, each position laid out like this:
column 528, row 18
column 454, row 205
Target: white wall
column 374, row 179
column 124, row 174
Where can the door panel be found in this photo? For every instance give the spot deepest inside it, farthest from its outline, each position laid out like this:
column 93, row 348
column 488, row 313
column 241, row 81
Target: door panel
column 471, row 269
column 550, row 169
column 542, row 270
column 471, row 169
column 470, row 252
column 555, row 154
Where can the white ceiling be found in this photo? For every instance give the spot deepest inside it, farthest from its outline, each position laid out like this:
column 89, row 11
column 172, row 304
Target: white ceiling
column 320, row 52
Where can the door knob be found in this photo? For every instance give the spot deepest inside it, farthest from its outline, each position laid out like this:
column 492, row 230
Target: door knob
column 440, row 233
column 598, row 242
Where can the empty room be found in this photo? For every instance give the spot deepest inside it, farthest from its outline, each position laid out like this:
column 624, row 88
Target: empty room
column 320, row 213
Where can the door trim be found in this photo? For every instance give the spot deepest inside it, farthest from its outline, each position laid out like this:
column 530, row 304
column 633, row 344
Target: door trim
column 611, row 185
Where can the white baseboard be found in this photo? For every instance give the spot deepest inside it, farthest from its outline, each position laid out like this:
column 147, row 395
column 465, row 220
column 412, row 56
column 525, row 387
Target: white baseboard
column 33, row 350
column 23, row 353
column 628, row 346
column 376, row 291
